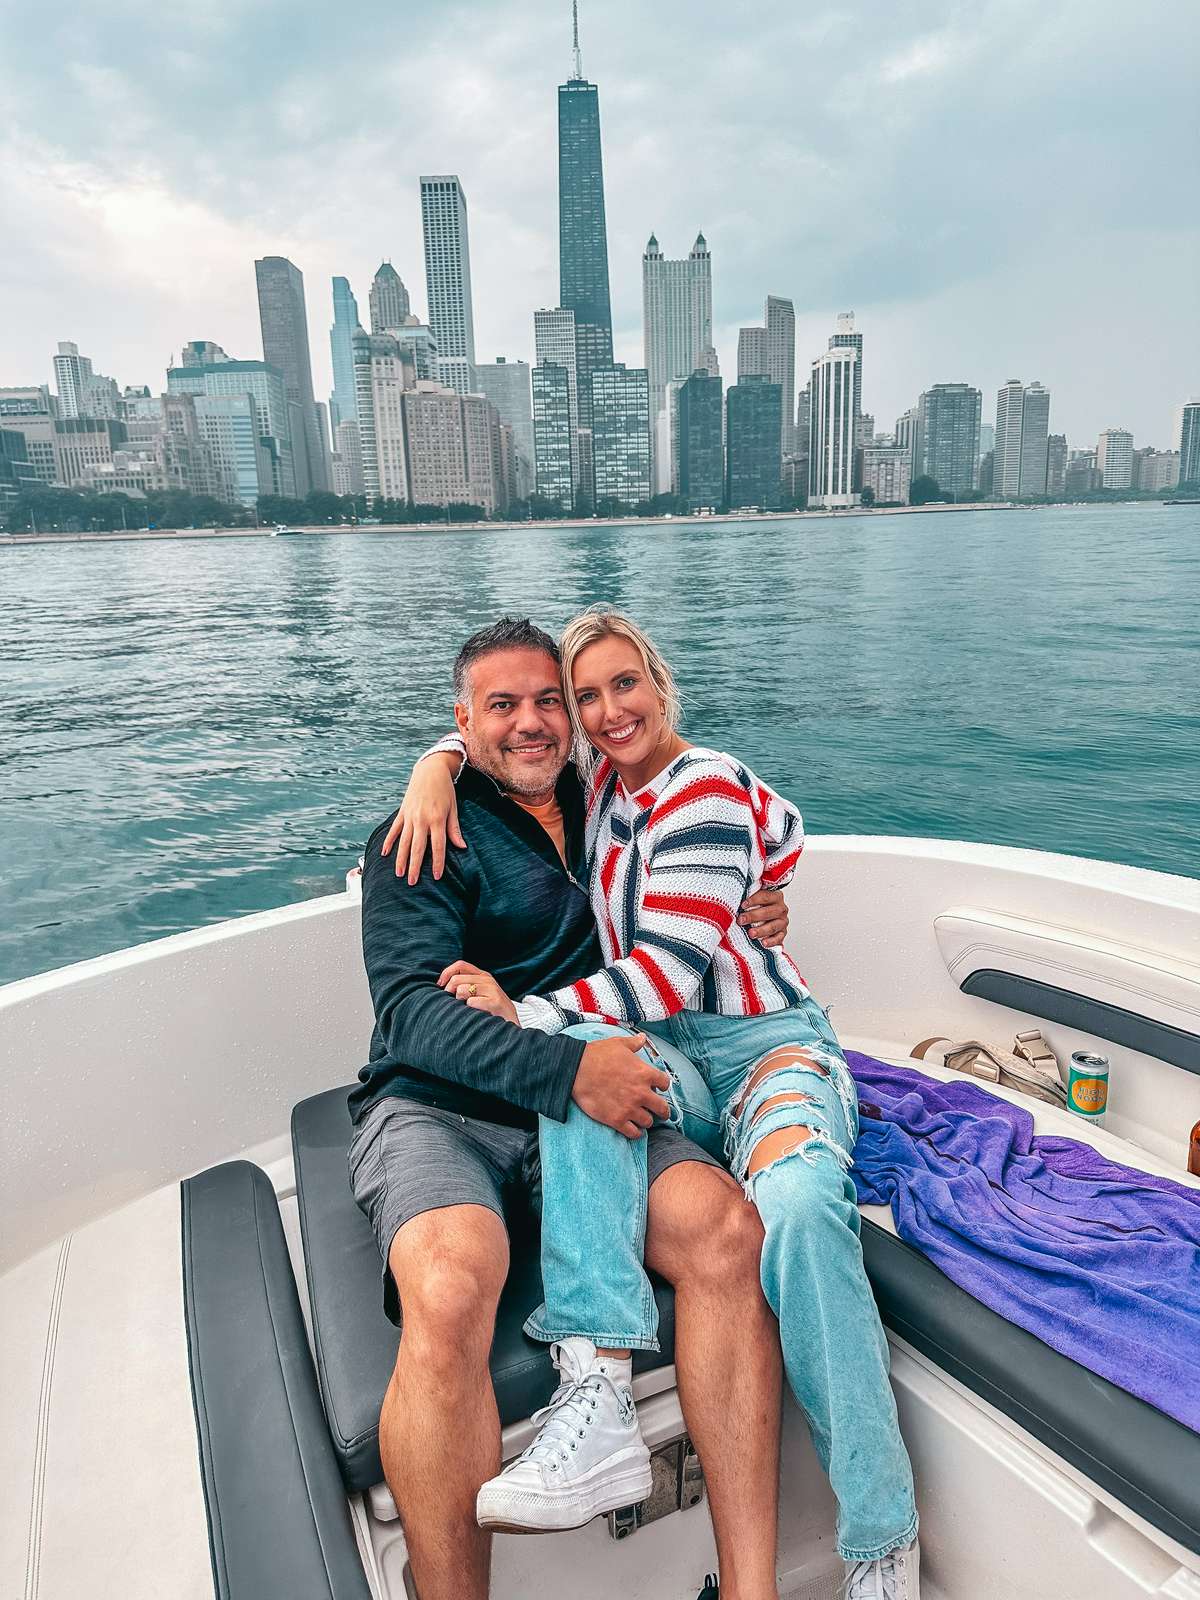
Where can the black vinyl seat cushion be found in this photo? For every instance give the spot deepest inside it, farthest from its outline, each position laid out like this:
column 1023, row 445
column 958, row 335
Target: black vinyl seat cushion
column 354, row 1341
column 1145, row 1459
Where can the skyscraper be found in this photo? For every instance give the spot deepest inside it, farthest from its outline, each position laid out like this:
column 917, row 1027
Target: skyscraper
column 781, row 361
column 554, row 342
column 846, row 337
column 341, row 350
column 831, row 475
column 582, row 231
column 389, row 298
column 553, row 435
column 948, row 434
column 1189, row 443
column 1006, row 462
column 620, row 435
column 448, row 279
column 1035, row 439
column 284, row 321
column 1056, row 465
column 381, row 377
column 752, row 353
column 754, row 426
column 676, row 315
column 701, row 479
column 506, row 385
column 1114, row 458
column 82, row 392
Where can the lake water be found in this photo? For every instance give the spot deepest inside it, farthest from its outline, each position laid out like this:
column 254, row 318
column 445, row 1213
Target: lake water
column 191, row 730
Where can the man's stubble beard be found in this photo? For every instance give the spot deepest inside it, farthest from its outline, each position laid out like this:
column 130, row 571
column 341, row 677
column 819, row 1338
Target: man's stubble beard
column 491, row 761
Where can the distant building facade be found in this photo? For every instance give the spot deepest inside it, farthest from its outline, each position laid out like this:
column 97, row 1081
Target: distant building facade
column 1155, row 471
column 244, row 415
column 506, row 384
column 453, row 449
column 583, row 234
column 701, row 457
column 1189, row 443
column 753, row 429
column 1114, row 458
column 448, row 279
column 948, row 438
column 31, row 412
column 1022, row 440
column 1056, row 465
column 780, row 320
column 752, row 353
column 620, row 435
column 847, row 337
column 341, row 352
column 831, row 468
column 554, row 340
column 555, row 440
column 81, row 391
column 388, row 299
column 887, row 472
column 284, row 322
column 676, row 314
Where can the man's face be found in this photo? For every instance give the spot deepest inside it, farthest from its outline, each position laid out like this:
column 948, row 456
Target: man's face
column 515, row 723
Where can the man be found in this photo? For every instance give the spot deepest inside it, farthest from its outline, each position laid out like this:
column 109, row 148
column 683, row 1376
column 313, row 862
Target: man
column 445, row 1115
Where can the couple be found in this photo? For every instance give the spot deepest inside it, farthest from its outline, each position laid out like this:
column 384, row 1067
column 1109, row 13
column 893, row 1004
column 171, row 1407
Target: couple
column 613, row 890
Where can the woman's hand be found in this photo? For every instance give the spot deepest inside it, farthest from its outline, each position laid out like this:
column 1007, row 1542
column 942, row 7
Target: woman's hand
column 427, row 817
column 478, row 989
column 764, row 915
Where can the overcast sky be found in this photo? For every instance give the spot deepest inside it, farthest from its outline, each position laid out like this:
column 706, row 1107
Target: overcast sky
column 1001, row 189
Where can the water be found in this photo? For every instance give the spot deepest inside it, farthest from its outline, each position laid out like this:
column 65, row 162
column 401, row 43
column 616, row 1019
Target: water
column 193, row 730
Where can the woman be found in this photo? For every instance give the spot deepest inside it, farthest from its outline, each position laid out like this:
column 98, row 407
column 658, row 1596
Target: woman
column 677, row 835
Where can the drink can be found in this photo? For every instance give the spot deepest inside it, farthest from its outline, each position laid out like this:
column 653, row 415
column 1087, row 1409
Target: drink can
column 1087, row 1087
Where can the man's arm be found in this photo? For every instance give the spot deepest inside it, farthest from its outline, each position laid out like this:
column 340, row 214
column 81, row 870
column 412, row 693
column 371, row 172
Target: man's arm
column 410, row 933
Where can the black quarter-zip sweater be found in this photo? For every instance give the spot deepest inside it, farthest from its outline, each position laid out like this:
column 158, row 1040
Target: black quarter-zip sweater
column 505, row 903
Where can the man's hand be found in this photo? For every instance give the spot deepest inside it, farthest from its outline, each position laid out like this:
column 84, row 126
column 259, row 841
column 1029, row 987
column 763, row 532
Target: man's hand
column 478, row 989
column 764, row 915
column 427, row 817
column 616, row 1087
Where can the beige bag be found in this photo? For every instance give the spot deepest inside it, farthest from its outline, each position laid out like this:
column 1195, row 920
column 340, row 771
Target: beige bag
column 1031, row 1067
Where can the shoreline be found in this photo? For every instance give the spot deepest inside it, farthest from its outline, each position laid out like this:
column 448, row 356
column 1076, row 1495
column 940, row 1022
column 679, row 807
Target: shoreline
column 144, row 535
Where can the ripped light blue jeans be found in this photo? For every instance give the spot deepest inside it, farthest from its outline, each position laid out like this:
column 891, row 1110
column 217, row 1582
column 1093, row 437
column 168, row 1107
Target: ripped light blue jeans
column 727, row 1095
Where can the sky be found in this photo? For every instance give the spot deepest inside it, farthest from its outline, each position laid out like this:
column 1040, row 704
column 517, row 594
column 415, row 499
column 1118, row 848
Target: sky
column 1001, row 189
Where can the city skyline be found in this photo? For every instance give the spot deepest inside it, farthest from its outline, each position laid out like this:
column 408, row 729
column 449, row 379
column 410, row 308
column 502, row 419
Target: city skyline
column 692, row 140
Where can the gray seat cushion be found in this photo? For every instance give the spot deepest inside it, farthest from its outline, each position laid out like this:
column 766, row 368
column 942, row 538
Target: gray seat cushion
column 355, row 1343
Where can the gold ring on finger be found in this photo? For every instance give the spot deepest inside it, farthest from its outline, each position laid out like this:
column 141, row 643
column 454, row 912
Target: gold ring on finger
column 472, row 990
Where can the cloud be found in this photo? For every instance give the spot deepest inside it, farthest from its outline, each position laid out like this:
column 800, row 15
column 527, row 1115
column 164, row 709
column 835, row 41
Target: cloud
column 994, row 190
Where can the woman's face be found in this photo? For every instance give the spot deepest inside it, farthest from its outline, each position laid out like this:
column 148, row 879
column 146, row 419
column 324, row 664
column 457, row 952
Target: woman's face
column 619, row 707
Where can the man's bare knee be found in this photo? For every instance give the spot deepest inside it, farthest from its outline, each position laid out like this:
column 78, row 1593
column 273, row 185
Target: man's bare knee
column 701, row 1229
column 449, row 1268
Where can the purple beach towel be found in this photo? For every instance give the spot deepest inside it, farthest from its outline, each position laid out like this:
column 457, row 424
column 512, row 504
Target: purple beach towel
column 1100, row 1261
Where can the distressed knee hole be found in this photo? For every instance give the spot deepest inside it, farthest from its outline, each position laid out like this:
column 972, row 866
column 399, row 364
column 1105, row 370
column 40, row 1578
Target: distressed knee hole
column 778, row 1061
column 775, row 1146
column 791, row 1097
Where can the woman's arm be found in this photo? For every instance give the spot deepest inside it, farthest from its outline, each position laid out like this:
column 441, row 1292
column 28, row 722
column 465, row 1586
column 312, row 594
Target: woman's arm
column 704, row 847
column 428, row 813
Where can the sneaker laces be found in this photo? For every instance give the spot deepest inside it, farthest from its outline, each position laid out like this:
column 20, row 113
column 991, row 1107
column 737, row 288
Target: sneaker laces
column 873, row 1580
column 564, row 1417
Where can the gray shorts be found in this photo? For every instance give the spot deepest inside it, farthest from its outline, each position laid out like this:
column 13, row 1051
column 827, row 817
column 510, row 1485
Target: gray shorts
column 406, row 1158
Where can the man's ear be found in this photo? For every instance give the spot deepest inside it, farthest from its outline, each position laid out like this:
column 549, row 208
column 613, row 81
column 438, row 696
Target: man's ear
column 462, row 717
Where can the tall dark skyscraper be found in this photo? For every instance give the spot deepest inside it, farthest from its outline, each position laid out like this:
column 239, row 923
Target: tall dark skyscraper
column 284, row 319
column 582, row 233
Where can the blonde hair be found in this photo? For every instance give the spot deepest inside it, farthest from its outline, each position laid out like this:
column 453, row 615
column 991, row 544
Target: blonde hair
column 602, row 622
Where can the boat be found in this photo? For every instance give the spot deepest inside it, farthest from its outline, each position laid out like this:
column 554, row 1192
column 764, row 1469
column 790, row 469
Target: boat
column 195, row 1350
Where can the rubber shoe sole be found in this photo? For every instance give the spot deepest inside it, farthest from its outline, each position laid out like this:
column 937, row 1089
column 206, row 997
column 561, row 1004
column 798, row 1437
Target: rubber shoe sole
column 622, row 1479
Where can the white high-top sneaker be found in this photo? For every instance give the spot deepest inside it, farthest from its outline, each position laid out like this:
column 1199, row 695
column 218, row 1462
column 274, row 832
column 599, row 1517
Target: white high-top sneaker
column 588, row 1458
column 895, row 1576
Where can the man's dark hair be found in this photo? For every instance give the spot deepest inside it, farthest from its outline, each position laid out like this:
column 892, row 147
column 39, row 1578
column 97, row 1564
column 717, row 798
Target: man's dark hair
column 510, row 633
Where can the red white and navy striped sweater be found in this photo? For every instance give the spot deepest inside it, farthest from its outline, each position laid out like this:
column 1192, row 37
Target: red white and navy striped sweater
column 669, row 867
